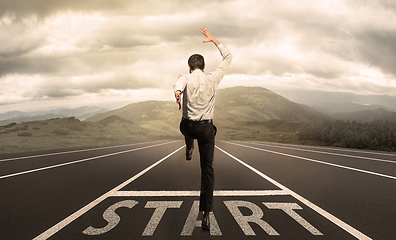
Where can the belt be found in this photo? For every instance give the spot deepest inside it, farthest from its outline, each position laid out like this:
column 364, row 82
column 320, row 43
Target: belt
column 198, row 121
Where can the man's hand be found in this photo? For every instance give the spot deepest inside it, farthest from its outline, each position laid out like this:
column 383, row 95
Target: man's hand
column 178, row 97
column 209, row 37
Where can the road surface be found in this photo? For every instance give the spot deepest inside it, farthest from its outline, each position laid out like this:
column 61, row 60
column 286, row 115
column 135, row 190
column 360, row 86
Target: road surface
column 149, row 191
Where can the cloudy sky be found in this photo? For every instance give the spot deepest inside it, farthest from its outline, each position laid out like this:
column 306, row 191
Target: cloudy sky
column 77, row 52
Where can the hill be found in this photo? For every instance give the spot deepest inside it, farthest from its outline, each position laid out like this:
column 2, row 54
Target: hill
column 367, row 115
column 80, row 113
column 243, row 113
column 240, row 112
column 69, row 132
column 160, row 117
column 330, row 101
column 260, row 104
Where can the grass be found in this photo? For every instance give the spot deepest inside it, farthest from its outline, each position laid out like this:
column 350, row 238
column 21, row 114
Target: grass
column 71, row 133
column 68, row 132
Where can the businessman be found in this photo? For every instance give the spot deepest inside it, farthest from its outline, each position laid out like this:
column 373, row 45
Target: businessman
column 195, row 93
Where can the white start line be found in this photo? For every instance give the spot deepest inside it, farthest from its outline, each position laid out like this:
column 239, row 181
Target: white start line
column 192, row 219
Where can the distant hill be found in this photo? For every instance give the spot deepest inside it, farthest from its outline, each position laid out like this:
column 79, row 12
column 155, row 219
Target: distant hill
column 347, row 107
column 366, row 115
column 81, row 113
column 238, row 111
column 330, row 101
column 162, row 117
column 70, row 132
column 260, row 104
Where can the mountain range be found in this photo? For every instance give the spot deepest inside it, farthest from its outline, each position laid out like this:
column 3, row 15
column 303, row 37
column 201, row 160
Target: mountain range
column 241, row 113
column 81, row 113
column 234, row 108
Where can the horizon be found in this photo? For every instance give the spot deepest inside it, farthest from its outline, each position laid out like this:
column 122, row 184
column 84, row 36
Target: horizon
column 73, row 54
column 299, row 97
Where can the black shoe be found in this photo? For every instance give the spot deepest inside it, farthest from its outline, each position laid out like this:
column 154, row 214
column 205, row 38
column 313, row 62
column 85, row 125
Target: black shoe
column 205, row 221
column 189, row 154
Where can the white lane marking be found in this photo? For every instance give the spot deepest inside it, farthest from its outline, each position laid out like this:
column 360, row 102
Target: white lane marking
column 74, row 216
column 74, row 151
column 330, row 148
column 317, row 161
column 216, row 193
column 329, row 153
column 82, row 160
column 322, row 212
column 374, row 152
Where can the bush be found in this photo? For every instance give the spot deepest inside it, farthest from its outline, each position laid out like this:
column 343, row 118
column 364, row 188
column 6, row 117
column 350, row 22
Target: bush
column 61, row 132
column 76, row 127
column 10, row 125
column 25, row 134
column 378, row 135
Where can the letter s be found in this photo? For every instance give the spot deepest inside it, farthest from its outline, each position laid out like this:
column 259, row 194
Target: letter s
column 111, row 217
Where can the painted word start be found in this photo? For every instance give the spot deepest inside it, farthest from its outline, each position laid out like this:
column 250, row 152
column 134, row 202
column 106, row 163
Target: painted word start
column 192, row 220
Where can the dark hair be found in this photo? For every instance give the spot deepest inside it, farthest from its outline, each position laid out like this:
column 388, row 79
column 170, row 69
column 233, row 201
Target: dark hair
column 196, row 61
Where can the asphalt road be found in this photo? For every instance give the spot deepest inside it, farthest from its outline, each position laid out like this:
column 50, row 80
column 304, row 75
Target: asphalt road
column 149, row 190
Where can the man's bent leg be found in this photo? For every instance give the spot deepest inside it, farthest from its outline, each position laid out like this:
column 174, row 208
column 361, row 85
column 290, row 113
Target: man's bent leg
column 185, row 130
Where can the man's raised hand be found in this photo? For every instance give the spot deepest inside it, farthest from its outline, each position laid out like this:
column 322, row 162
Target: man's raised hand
column 209, row 37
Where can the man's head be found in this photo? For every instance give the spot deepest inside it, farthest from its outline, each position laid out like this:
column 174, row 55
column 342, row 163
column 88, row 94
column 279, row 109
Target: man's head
column 196, row 61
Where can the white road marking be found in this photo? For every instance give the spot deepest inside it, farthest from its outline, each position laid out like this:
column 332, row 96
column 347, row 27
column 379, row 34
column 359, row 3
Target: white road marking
column 243, row 221
column 192, row 222
column 82, row 160
column 330, row 148
column 216, row 193
column 74, row 151
column 111, row 217
column 288, row 208
column 322, row 212
column 317, row 161
column 74, row 216
column 329, row 153
column 160, row 208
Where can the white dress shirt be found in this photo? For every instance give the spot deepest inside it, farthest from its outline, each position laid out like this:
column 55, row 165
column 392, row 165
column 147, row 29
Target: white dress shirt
column 200, row 89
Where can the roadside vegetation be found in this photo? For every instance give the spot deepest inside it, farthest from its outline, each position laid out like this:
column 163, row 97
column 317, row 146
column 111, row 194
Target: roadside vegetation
column 377, row 135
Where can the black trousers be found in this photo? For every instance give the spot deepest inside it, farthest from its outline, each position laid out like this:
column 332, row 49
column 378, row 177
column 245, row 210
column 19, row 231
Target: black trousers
column 205, row 133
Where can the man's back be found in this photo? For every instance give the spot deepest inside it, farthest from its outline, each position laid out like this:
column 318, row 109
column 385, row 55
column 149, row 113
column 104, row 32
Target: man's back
column 200, row 88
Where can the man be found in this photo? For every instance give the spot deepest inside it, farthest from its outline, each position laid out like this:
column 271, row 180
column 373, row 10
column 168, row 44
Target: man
column 199, row 90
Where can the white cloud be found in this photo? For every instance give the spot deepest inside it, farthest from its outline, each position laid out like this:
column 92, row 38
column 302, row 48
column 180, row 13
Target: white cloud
column 70, row 50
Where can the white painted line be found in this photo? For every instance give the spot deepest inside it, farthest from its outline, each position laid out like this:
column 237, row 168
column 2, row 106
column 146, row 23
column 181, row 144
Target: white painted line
column 329, row 148
column 74, row 216
column 82, row 160
column 74, row 151
column 329, row 153
column 317, row 161
column 322, row 212
column 217, row 193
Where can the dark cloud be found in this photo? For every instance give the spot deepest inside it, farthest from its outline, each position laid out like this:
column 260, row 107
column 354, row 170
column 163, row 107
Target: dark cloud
column 377, row 47
column 44, row 8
